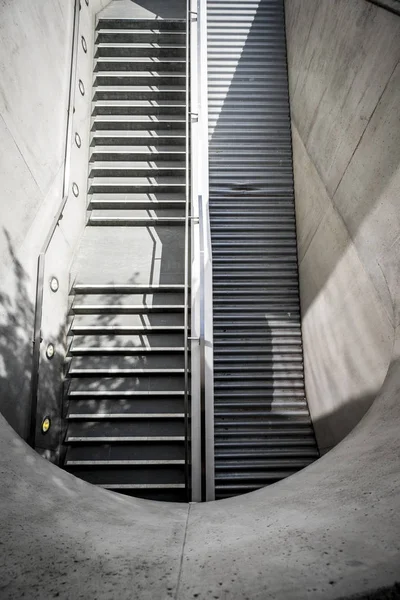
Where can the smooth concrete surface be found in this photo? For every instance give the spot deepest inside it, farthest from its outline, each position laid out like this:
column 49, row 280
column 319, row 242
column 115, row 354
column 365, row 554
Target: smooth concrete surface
column 35, row 55
column 344, row 77
column 35, row 43
column 328, row 532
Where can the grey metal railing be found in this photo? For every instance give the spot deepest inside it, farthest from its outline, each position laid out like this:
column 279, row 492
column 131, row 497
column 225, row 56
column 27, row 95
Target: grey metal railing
column 202, row 408
column 42, row 256
column 187, row 252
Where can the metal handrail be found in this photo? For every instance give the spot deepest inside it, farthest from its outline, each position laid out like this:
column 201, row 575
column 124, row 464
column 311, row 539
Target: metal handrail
column 42, row 256
column 202, row 327
column 206, row 308
column 187, row 255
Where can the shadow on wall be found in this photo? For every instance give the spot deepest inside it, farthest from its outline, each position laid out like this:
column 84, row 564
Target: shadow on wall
column 349, row 127
column 16, row 327
column 341, row 419
column 16, row 344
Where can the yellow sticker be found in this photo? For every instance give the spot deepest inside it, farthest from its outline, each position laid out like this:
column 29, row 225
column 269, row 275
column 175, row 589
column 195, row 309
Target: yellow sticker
column 45, row 425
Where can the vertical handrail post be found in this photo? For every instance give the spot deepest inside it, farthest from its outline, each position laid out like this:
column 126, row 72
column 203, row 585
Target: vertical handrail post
column 206, row 327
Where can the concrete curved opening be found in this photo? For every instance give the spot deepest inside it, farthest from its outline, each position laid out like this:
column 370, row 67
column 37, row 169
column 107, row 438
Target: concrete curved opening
column 332, row 530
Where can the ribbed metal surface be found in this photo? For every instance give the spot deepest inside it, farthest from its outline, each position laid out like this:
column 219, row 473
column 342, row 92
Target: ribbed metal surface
column 263, row 430
column 126, row 404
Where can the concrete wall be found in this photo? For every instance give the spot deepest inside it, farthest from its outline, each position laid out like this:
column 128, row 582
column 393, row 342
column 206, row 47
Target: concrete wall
column 35, row 40
column 344, row 76
column 35, row 54
column 328, row 532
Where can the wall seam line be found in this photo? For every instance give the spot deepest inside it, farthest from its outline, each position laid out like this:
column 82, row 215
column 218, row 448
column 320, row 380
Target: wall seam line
column 22, row 156
column 182, row 553
column 365, row 128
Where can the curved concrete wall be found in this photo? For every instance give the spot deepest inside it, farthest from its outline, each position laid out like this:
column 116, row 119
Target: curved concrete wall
column 35, row 55
column 344, row 76
column 333, row 529
column 35, row 41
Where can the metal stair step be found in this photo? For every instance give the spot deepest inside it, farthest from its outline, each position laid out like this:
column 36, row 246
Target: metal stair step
column 138, row 153
column 260, row 452
column 114, row 372
column 81, row 350
column 141, row 299
column 257, row 403
column 259, row 465
column 112, row 169
column 141, row 50
column 231, row 444
column 156, row 477
column 127, row 221
column 142, row 23
column 148, row 123
column 122, row 329
column 131, row 185
column 254, row 392
column 137, row 138
column 140, row 64
column 156, row 93
column 162, row 109
column 116, row 204
column 127, row 344
column 146, row 382
column 126, row 288
column 131, row 407
column 122, row 454
column 138, row 78
column 78, row 416
column 139, row 36
column 119, row 430
column 126, row 394
column 113, row 309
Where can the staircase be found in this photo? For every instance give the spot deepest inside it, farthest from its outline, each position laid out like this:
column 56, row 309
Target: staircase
column 126, row 402
column 263, row 430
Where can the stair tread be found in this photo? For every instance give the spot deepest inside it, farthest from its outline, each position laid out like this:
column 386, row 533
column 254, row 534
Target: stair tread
column 122, row 288
column 142, row 150
column 147, row 486
column 139, row 165
column 139, row 45
column 135, row 59
column 78, row 349
column 152, row 89
column 141, row 214
column 140, row 74
column 132, row 133
column 123, row 393
column 122, row 462
column 150, row 119
column 139, row 104
column 98, row 416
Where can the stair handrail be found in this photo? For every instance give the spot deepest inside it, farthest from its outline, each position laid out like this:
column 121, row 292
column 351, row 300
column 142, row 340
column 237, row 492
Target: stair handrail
column 187, row 254
column 202, row 415
column 37, row 338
